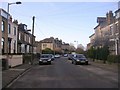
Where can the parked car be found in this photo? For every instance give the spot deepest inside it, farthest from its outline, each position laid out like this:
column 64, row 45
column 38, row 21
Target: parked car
column 52, row 57
column 57, row 56
column 45, row 58
column 79, row 59
column 65, row 55
column 70, row 56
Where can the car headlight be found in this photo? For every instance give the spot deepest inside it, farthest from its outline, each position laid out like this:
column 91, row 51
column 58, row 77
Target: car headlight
column 77, row 60
column 86, row 60
column 49, row 59
column 40, row 60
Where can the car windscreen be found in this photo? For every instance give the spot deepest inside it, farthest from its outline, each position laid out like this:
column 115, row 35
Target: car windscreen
column 45, row 56
column 80, row 56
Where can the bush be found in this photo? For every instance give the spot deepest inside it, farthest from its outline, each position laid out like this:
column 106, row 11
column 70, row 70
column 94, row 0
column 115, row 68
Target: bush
column 3, row 63
column 113, row 58
column 26, row 58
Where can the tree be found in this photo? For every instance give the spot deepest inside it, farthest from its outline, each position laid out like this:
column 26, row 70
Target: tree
column 91, row 53
column 47, row 51
column 81, row 46
column 79, row 50
column 58, row 50
column 105, row 53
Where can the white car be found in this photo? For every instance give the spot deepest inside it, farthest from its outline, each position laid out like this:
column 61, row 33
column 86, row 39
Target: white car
column 57, row 56
column 65, row 55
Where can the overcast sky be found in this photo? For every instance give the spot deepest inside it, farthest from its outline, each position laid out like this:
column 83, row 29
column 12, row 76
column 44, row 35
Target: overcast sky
column 69, row 21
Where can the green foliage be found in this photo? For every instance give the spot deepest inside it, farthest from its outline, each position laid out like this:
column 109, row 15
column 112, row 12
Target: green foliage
column 98, row 53
column 26, row 58
column 113, row 59
column 47, row 51
column 91, row 53
column 79, row 51
column 57, row 52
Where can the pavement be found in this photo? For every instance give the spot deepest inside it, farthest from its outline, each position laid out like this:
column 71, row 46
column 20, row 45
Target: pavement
column 11, row 74
column 107, row 66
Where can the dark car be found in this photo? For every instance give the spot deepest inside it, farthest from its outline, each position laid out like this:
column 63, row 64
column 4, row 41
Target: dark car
column 70, row 56
column 79, row 59
column 45, row 58
column 52, row 57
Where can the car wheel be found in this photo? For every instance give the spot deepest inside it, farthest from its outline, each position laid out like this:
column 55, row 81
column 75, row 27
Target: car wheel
column 40, row 63
column 49, row 62
column 72, row 62
column 86, row 63
column 75, row 62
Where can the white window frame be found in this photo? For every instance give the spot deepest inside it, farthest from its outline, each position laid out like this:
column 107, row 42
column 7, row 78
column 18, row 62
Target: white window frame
column 3, row 26
column 14, row 30
column 19, row 36
column 9, row 28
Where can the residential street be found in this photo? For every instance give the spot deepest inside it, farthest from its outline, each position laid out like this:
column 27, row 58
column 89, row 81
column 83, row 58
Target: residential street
column 63, row 74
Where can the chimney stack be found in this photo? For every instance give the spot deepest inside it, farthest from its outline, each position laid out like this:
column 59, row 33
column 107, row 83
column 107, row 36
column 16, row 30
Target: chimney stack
column 110, row 17
column 10, row 18
column 15, row 21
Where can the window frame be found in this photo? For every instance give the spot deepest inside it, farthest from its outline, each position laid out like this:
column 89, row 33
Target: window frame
column 9, row 28
column 3, row 26
column 14, row 30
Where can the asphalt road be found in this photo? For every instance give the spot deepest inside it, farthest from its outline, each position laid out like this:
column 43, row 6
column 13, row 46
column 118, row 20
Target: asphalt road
column 63, row 74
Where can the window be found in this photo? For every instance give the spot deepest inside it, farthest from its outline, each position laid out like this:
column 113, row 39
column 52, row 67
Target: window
column 116, row 28
column 44, row 45
column 29, row 39
column 9, row 28
column 111, row 30
column 9, row 45
column 19, row 36
column 3, row 41
column 14, row 49
column 25, row 38
column 3, row 26
column 14, row 30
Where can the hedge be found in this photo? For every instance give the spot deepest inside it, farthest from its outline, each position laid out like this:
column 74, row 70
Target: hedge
column 113, row 58
column 26, row 58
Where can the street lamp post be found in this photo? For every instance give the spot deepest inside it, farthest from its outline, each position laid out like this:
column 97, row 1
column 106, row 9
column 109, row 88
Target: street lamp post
column 7, row 31
column 77, row 43
column 32, row 39
column 11, row 4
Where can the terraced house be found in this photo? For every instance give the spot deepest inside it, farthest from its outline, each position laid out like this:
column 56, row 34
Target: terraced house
column 14, row 37
column 25, row 39
column 8, row 32
column 107, row 32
